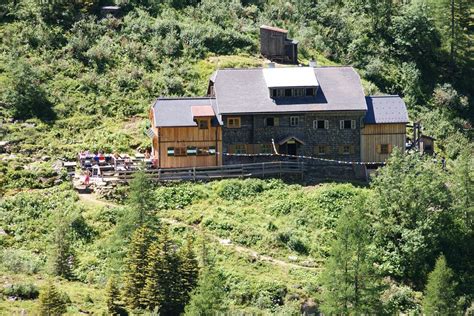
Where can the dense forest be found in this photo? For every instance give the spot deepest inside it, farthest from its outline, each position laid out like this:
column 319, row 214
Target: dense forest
column 72, row 79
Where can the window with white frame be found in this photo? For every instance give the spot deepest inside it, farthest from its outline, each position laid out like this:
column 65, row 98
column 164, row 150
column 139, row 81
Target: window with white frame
column 294, row 120
column 321, row 124
column 347, row 124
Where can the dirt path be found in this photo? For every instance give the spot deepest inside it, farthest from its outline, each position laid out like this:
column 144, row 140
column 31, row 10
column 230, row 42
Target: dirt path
column 92, row 199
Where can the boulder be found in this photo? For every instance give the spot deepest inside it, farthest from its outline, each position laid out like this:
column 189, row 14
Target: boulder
column 309, row 308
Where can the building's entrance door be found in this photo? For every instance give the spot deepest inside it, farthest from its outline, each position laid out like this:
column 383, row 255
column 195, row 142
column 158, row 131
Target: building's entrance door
column 291, row 149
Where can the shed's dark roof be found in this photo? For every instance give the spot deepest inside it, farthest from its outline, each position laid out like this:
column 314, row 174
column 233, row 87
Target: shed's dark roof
column 245, row 91
column 169, row 112
column 386, row 109
column 273, row 28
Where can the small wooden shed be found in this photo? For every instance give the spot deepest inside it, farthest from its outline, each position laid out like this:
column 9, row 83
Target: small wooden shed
column 276, row 46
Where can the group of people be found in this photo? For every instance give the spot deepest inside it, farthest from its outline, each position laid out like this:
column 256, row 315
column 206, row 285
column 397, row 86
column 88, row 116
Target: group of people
column 118, row 162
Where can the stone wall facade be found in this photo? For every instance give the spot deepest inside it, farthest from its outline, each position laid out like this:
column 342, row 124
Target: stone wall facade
column 254, row 131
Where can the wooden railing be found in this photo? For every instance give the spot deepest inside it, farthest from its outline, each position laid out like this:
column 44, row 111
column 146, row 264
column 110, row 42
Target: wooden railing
column 219, row 172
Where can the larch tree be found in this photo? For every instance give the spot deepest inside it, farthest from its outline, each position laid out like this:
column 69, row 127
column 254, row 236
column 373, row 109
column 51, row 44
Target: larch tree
column 113, row 302
column 140, row 205
column 136, row 265
column 440, row 297
column 462, row 184
column 350, row 283
column 162, row 286
column 62, row 255
column 453, row 20
column 51, row 302
column 189, row 271
column 208, row 297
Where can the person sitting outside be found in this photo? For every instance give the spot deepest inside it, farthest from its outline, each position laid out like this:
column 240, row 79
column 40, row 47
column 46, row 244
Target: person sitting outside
column 101, row 157
column 96, row 157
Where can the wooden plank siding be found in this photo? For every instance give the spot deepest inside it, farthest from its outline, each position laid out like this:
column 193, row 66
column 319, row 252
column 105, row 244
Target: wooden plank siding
column 374, row 135
column 188, row 137
column 184, row 136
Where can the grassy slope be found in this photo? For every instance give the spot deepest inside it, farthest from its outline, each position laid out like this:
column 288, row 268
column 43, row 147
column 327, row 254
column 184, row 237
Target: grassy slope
column 245, row 221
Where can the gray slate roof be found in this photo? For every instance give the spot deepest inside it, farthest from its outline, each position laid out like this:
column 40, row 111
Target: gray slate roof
column 386, row 109
column 170, row 112
column 245, row 91
column 240, row 91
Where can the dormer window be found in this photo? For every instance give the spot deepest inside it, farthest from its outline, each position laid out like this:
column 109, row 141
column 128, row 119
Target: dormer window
column 203, row 123
column 277, row 93
column 292, row 92
column 291, row 82
column 298, row 92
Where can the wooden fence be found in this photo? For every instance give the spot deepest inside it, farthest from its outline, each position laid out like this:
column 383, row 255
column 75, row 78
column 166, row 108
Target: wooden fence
column 208, row 173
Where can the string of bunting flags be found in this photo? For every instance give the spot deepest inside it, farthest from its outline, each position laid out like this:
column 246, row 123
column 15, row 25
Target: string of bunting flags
column 276, row 153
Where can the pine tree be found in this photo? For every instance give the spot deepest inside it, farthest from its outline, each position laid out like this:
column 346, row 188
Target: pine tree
column 162, row 277
column 440, row 296
column 51, row 301
column 140, row 206
column 136, row 264
column 452, row 18
column 141, row 197
column 350, row 284
column 462, row 170
column 114, row 305
column 62, row 255
column 208, row 297
column 189, row 271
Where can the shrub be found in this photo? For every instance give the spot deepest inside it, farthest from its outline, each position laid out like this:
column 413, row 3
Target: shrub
column 20, row 261
column 177, row 196
column 24, row 291
column 238, row 189
column 297, row 245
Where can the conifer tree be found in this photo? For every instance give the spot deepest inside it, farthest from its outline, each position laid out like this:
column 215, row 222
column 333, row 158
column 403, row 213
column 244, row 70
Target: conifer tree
column 51, row 301
column 162, row 284
column 114, row 305
column 350, row 284
column 440, row 296
column 189, row 271
column 140, row 206
column 141, row 197
column 136, row 263
column 62, row 256
column 208, row 297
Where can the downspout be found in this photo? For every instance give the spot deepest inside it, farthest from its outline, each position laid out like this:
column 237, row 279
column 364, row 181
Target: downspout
column 159, row 148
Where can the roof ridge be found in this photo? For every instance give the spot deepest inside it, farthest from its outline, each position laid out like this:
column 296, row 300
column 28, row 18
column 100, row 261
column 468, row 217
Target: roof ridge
column 384, row 96
column 185, row 98
column 295, row 66
column 334, row 66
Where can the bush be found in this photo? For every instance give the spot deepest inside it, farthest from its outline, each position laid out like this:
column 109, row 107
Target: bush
column 20, row 261
column 24, row 291
column 238, row 189
column 177, row 196
column 293, row 242
column 297, row 245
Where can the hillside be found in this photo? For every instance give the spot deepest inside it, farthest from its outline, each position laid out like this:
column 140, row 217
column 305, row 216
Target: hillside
column 72, row 80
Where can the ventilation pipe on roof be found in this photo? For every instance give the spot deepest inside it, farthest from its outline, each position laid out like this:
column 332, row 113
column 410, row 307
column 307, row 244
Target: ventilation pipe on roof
column 312, row 63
